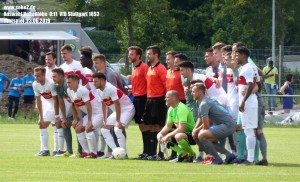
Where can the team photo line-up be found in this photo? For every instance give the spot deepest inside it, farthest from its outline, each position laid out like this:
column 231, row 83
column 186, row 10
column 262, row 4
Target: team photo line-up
column 221, row 112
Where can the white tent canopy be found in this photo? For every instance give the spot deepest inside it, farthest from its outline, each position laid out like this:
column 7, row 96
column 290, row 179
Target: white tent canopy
column 36, row 35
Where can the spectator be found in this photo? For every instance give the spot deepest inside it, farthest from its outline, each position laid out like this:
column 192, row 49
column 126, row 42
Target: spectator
column 270, row 74
column 3, row 79
column 14, row 94
column 287, row 89
column 21, row 52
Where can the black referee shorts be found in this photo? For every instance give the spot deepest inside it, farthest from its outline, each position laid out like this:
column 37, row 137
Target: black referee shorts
column 139, row 103
column 156, row 111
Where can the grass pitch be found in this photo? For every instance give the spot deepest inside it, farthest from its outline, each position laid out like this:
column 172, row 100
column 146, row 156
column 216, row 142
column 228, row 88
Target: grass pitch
column 19, row 143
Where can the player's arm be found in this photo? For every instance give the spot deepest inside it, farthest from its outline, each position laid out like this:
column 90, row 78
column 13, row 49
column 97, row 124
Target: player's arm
column 7, row 84
column 74, row 113
column 206, row 123
column 248, row 93
column 118, row 112
column 164, row 132
column 62, row 108
column 181, row 129
column 40, row 108
column 104, row 112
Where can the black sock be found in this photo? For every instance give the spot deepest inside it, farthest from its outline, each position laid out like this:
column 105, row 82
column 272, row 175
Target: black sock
column 153, row 143
column 145, row 137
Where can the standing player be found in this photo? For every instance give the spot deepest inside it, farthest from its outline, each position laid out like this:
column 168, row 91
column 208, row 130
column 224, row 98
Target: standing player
column 28, row 92
column 248, row 103
column 63, row 121
column 122, row 107
column 15, row 88
column 139, row 92
column 71, row 66
column 44, row 87
column 173, row 81
column 222, row 68
column 50, row 60
column 180, row 116
column 87, row 127
column 156, row 109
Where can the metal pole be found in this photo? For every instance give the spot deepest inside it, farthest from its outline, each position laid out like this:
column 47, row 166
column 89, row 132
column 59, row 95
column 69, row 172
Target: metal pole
column 273, row 31
column 279, row 66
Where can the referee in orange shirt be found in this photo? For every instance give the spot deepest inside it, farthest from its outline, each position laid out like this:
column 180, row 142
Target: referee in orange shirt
column 156, row 109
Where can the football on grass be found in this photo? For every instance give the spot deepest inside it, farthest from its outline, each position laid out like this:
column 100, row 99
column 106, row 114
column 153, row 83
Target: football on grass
column 119, row 153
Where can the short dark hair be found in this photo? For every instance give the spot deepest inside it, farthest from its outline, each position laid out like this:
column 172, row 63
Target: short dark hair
column 218, row 45
column 155, row 49
column 196, row 81
column 73, row 77
column 66, row 47
column 59, row 71
column 289, row 77
column 227, row 48
column 172, row 53
column 100, row 57
column 243, row 50
column 52, row 54
column 187, row 64
column 209, row 50
column 137, row 49
column 86, row 49
column 182, row 57
column 239, row 44
column 86, row 54
column 41, row 69
column 29, row 69
column 99, row 75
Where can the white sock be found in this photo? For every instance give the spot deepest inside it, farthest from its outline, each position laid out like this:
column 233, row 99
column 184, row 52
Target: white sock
column 92, row 140
column 44, row 139
column 103, row 142
column 96, row 132
column 108, row 138
column 121, row 138
column 61, row 139
column 55, row 137
column 83, row 142
column 250, row 143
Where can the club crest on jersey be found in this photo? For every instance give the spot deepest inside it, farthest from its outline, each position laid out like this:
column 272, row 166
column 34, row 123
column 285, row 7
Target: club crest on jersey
column 108, row 101
column 47, row 95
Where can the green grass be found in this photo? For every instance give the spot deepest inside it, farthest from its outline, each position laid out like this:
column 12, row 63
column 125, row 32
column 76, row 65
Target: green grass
column 19, row 142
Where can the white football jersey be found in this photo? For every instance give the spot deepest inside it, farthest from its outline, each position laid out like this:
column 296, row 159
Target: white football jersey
column 212, row 90
column 232, row 87
column 49, row 72
column 74, row 68
column 247, row 74
column 83, row 95
column 47, row 91
column 111, row 94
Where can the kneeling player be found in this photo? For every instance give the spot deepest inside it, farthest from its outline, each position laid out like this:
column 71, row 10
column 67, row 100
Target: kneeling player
column 88, row 126
column 120, row 104
column 180, row 115
column 210, row 111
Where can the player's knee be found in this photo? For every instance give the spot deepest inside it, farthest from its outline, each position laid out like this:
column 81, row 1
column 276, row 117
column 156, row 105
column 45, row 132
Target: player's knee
column 249, row 132
column 90, row 135
column 89, row 130
column 180, row 136
column 118, row 132
column 105, row 132
column 79, row 129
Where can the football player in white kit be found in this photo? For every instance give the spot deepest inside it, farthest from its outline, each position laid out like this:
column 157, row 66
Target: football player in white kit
column 120, row 104
column 44, row 87
column 87, row 127
column 248, row 101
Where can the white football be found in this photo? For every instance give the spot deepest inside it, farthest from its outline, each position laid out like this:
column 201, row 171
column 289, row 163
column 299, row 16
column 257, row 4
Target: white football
column 119, row 153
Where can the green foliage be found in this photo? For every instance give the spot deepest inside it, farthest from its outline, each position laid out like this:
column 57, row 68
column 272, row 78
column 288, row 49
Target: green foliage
column 105, row 41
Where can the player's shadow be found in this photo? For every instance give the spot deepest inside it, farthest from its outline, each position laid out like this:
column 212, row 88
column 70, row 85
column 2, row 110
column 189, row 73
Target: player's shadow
column 284, row 165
